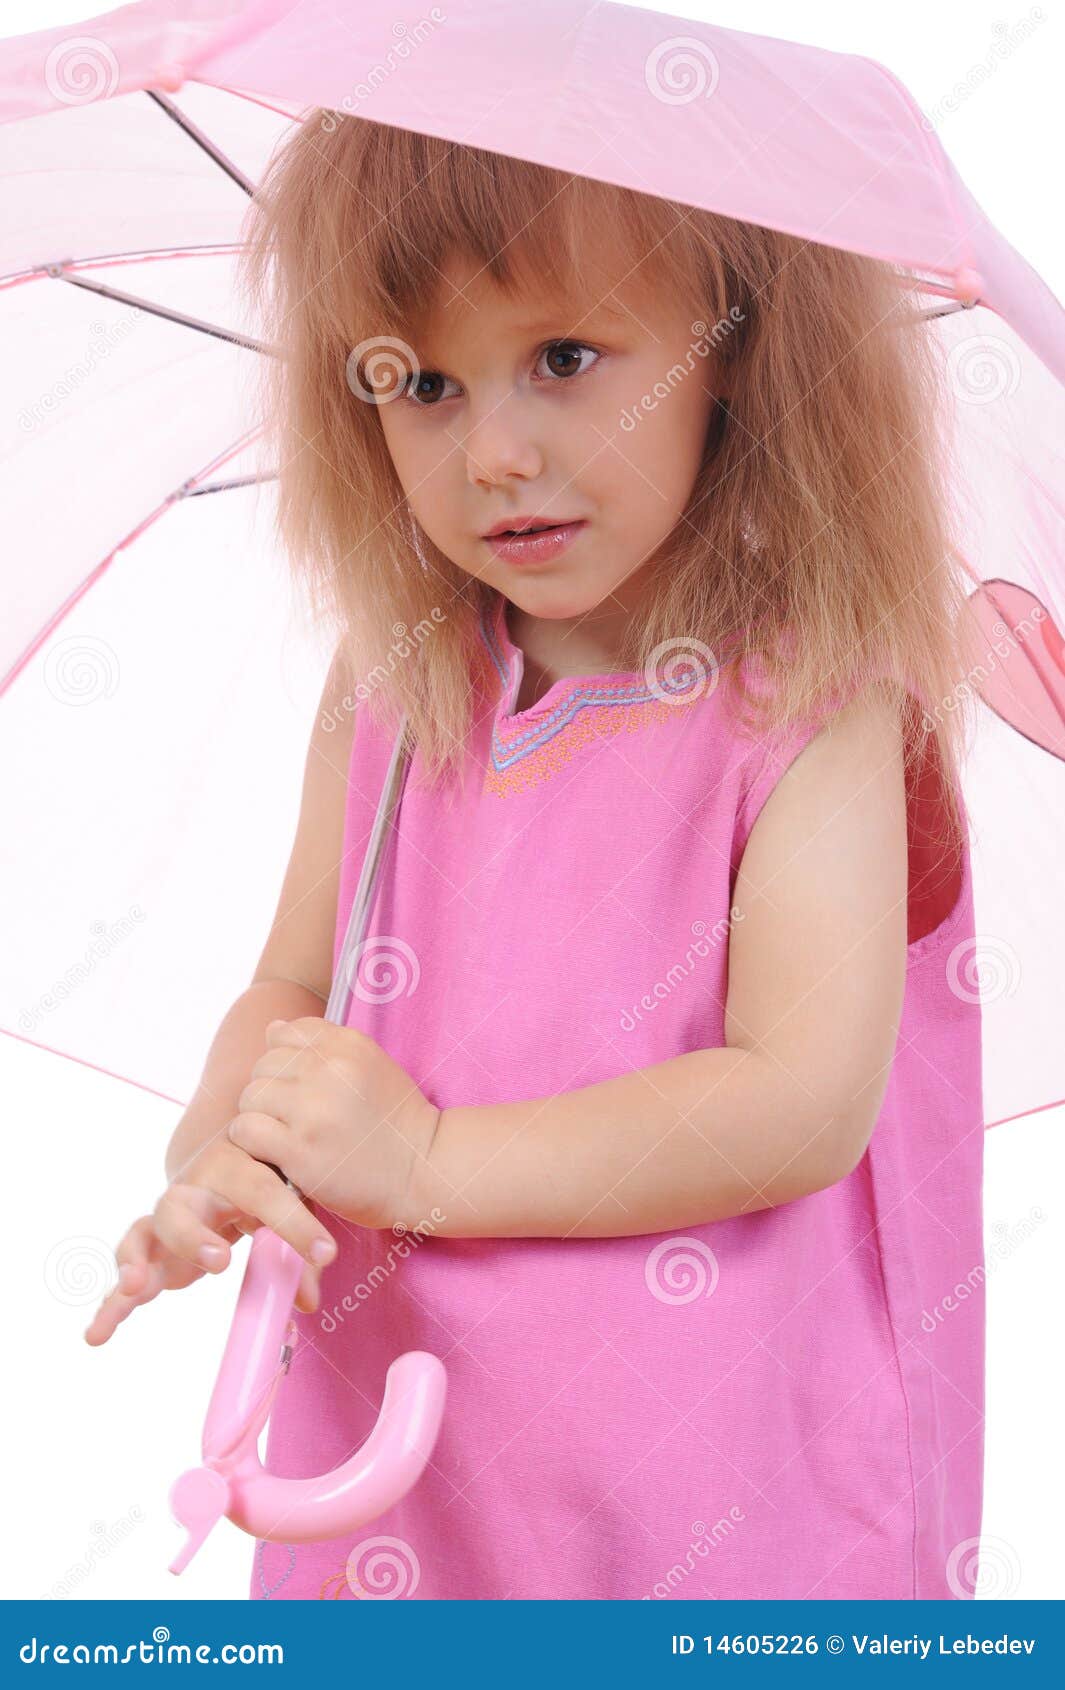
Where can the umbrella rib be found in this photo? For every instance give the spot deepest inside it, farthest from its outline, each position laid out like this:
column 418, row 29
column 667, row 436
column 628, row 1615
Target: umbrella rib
column 224, row 486
column 185, row 491
column 201, row 140
column 232, row 335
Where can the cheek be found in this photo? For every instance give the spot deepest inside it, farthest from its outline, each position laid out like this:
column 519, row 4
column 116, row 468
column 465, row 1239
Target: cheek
column 669, row 443
column 421, row 461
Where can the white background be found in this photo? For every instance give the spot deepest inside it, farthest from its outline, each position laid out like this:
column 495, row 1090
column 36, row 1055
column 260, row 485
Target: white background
column 87, row 1487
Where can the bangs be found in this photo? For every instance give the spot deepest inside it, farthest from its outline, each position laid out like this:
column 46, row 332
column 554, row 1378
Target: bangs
column 395, row 206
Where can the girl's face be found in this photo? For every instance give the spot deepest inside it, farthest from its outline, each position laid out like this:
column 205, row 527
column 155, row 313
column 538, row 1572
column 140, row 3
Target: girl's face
column 592, row 412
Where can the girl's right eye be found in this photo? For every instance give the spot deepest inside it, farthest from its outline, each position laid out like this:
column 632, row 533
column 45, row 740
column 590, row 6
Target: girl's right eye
column 416, row 384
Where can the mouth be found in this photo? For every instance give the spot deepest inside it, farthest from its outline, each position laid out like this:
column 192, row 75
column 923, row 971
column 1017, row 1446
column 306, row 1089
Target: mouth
column 525, row 525
column 530, row 540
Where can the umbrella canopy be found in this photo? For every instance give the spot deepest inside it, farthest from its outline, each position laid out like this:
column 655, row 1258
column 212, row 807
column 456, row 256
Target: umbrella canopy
column 157, row 680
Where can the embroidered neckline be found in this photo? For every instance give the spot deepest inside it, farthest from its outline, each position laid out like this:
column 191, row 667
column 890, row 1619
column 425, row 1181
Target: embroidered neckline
column 516, row 735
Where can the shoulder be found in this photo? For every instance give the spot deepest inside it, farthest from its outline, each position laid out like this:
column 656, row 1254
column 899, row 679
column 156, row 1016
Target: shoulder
column 851, row 758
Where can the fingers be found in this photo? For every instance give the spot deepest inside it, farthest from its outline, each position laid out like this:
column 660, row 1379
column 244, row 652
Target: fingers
column 192, row 1228
column 139, row 1280
column 192, row 1222
column 308, row 1290
column 260, row 1135
column 259, row 1191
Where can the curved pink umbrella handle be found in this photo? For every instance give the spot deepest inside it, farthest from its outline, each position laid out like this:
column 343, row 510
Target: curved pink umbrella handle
column 233, row 1481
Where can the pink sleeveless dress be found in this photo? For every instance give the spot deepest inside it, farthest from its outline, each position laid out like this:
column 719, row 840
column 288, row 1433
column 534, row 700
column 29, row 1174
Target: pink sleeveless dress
column 786, row 1404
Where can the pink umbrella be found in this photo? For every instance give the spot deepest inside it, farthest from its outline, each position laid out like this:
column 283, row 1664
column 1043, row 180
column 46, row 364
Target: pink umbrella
column 131, row 477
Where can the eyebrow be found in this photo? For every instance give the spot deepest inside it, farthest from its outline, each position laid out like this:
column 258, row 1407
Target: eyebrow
column 603, row 309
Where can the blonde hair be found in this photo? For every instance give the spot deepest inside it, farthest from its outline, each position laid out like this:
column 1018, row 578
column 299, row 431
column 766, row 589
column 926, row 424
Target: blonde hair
column 818, row 509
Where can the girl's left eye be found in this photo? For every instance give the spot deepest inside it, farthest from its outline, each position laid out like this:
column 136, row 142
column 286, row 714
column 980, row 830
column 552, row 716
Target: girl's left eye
column 421, row 390
column 568, row 349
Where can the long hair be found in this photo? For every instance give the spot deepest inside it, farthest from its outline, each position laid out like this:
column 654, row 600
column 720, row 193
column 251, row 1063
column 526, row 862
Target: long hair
column 814, row 546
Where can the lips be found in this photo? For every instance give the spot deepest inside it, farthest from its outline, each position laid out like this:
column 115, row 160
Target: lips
column 526, row 525
column 540, row 543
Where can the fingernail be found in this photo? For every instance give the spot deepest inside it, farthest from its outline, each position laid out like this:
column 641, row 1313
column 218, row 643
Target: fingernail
column 211, row 1255
column 321, row 1251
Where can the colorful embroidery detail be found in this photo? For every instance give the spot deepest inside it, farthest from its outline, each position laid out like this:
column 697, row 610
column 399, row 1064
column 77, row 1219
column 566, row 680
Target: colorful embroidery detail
column 523, row 753
column 268, row 1590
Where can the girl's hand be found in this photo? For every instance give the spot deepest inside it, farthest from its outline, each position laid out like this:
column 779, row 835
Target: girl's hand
column 330, row 1108
column 223, row 1193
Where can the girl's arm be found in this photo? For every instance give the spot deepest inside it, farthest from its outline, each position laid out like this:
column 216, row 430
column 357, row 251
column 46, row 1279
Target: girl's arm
column 817, row 965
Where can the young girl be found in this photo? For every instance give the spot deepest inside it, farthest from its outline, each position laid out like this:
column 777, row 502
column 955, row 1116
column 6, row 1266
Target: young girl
column 657, row 1115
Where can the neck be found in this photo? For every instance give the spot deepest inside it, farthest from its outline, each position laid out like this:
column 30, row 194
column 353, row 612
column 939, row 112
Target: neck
column 554, row 647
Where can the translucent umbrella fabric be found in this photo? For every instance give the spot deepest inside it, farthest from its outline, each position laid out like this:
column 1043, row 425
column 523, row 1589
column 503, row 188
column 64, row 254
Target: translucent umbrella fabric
column 157, row 681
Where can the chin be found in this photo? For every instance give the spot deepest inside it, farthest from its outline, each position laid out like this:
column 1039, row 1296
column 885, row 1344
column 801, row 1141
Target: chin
column 554, row 601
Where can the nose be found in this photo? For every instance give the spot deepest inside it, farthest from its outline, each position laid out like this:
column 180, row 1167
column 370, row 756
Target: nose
column 500, row 442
